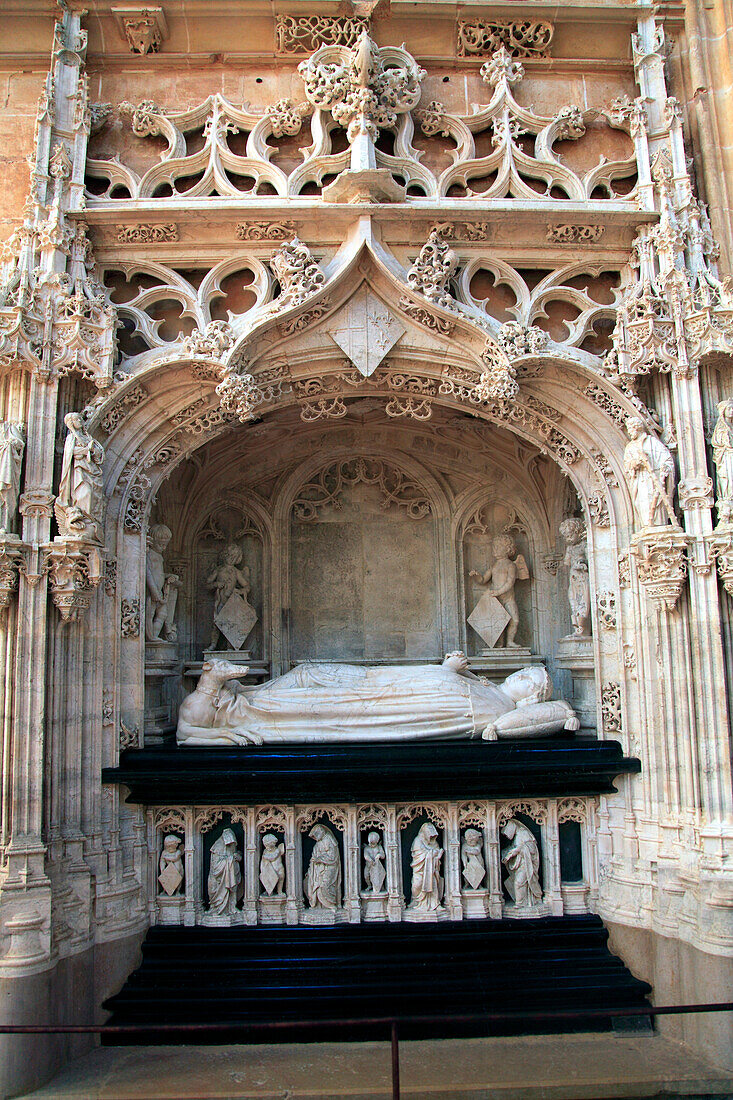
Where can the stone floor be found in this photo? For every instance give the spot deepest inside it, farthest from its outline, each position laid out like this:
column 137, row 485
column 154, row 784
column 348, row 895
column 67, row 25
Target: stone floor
column 578, row 1067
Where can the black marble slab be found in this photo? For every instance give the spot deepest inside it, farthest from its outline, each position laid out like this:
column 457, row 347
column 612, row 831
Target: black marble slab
column 386, row 772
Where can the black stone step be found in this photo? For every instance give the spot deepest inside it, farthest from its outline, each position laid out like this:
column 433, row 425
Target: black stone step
column 257, row 975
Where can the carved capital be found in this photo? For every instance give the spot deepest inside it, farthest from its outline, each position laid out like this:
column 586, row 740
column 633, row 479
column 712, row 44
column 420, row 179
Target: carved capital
column 74, row 567
column 661, row 561
column 695, row 492
column 37, row 503
column 721, row 550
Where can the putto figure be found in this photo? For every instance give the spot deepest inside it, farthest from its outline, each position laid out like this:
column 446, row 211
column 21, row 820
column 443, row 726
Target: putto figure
column 374, row 872
column 170, row 865
column 272, row 867
column 226, row 580
column 472, row 859
column 161, row 589
column 649, row 469
column 508, row 568
column 331, row 702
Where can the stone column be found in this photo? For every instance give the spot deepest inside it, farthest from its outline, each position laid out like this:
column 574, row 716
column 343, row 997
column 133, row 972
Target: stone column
column 396, row 901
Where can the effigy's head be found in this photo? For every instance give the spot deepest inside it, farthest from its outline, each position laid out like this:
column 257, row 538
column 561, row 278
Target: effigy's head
column 528, row 685
column 456, row 661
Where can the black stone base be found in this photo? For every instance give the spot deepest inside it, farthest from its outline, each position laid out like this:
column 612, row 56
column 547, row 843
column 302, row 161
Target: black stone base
column 281, row 975
column 445, row 770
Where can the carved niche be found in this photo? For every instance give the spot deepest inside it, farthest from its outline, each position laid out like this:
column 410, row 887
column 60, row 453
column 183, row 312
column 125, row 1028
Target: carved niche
column 480, row 531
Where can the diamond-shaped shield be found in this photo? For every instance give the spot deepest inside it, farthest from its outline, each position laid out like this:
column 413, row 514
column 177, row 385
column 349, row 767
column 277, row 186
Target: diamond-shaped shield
column 488, row 619
column 235, row 620
column 365, row 330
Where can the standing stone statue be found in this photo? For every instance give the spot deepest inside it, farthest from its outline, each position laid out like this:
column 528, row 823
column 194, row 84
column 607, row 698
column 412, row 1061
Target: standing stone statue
column 225, row 875
column 472, row 858
column 234, row 616
column 272, row 867
column 649, row 470
column 171, row 865
column 522, row 860
column 427, row 881
column 161, row 589
column 723, row 455
column 508, row 568
column 79, row 502
column 12, row 445
column 374, row 872
column 576, row 560
column 322, row 884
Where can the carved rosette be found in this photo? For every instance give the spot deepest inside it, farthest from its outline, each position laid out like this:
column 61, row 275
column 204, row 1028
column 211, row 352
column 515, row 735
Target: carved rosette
column 661, row 562
column 74, row 569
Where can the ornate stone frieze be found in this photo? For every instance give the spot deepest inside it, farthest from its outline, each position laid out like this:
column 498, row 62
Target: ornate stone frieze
column 498, row 382
column 568, row 233
column 286, row 117
column 130, row 400
column 325, row 408
column 661, row 562
column 129, row 737
column 266, row 231
column 422, row 316
column 75, row 569
column 528, row 38
column 611, row 707
column 409, row 407
column 130, row 618
column 598, row 509
column 461, row 231
column 148, row 233
column 239, row 394
column 298, row 34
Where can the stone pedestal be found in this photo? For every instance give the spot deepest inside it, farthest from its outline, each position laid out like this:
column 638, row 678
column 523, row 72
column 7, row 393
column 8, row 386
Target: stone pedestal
column 374, row 906
column 170, row 909
column 575, row 653
column 475, row 903
column 272, row 909
column 322, row 916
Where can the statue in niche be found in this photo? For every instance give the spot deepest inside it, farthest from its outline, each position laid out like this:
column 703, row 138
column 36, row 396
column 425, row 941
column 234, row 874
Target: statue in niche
column 723, row 456
column 427, row 881
column 161, row 589
column 576, row 561
column 331, row 702
column 272, row 867
column 12, row 445
column 234, row 616
column 374, row 872
column 322, row 883
column 522, row 861
column 649, row 470
column 171, row 865
column 80, row 498
column 497, row 609
column 472, row 858
column 225, row 875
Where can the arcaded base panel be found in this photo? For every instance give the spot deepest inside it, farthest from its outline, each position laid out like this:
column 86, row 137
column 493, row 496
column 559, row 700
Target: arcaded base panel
column 547, row 1068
